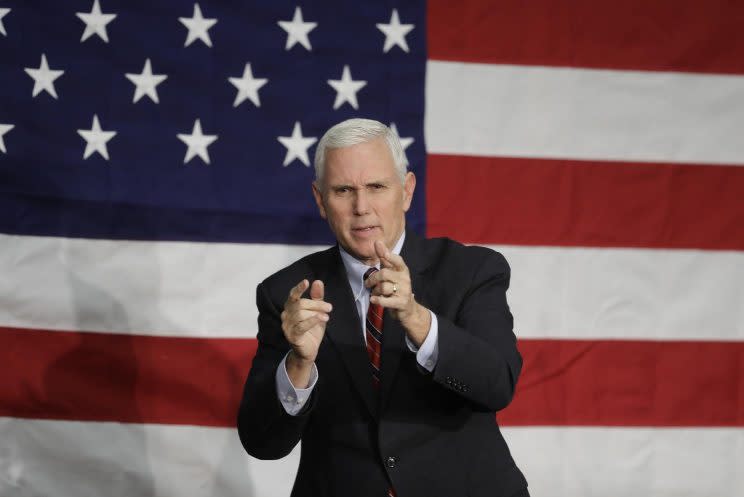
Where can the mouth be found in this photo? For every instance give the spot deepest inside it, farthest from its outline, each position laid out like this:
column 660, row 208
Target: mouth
column 363, row 230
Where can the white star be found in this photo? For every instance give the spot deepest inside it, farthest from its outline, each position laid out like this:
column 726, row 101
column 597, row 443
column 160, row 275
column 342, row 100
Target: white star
column 198, row 27
column 44, row 77
column 197, row 143
column 297, row 30
column 4, row 128
column 3, row 13
column 346, row 89
column 395, row 32
column 248, row 87
column 297, row 146
column 146, row 83
column 96, row 139
column 95, row 22
column 404, row 142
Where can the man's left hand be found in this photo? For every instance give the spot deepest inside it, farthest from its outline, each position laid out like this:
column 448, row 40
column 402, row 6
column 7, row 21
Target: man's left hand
column 391, row 288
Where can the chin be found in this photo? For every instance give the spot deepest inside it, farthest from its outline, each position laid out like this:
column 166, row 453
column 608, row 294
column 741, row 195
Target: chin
column 361, row 253
column 366, row 255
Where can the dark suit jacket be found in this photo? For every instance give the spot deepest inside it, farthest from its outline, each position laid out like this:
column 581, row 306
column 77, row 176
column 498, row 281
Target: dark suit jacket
column 430, row 434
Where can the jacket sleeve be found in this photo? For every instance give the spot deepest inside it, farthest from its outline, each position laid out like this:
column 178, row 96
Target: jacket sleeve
column 478, row 356
column 266, row 430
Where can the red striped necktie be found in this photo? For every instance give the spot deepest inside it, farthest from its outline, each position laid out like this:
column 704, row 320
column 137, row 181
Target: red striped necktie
column 373, row 334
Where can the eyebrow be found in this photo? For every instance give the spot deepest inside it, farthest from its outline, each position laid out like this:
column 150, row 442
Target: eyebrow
column 383, row 181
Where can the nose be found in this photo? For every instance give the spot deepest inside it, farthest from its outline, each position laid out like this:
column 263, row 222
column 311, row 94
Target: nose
column 361, row 203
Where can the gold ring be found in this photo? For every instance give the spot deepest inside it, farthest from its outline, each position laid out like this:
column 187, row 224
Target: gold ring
column 395, row 288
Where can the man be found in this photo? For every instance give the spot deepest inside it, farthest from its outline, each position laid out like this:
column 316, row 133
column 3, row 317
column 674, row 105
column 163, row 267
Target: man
column 403, row 405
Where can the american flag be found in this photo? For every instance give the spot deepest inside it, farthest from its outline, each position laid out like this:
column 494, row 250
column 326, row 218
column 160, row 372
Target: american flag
column 155, row 166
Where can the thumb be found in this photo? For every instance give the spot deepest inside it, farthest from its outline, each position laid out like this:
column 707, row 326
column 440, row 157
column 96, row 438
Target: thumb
column 317, row 290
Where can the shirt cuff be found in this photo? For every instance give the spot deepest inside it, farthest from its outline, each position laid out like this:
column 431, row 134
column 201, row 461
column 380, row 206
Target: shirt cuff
column 427, row 354
column 293, row 399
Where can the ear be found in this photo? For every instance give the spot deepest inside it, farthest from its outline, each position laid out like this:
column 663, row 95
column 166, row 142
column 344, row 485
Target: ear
column 319, row 200
column 409, row 185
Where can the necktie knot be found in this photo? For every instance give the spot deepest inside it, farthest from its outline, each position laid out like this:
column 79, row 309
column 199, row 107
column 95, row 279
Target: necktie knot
column 369, row 272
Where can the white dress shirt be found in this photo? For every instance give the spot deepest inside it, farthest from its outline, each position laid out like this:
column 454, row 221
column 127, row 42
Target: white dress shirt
column 293, row 399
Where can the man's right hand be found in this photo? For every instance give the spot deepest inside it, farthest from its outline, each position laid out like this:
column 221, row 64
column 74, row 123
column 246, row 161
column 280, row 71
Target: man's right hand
column 304, row 322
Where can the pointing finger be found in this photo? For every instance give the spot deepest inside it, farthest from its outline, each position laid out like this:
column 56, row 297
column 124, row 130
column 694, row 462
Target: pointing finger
column 380, row 249
column 296, row 292
column 384, row 254
column 314, row 305
column 394, row 261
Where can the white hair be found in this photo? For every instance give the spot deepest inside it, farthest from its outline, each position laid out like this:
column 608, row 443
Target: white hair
column 355, row 131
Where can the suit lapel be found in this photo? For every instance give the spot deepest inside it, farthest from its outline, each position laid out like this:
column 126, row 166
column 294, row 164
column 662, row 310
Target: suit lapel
column 343, row 329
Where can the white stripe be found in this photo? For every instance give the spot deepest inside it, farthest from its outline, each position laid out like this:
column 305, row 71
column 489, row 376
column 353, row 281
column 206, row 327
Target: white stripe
column 152, row 288
column 203, row 289
column 370, row 325
column 69, row 459
column 591, row 293
column 657, row 462
column 73, row 459
column 527, row 111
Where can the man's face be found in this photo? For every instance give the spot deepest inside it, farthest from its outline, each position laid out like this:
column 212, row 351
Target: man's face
column 362, row 197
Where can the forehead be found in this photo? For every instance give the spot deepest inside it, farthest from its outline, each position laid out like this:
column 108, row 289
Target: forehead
column 359, row 163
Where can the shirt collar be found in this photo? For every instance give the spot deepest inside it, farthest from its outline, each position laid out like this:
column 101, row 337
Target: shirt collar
column 355, row 268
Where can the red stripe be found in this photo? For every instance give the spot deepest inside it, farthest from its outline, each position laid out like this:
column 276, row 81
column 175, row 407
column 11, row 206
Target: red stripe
column 629, row 383
column 105, row 377
column 663, row 35
column 577, row 203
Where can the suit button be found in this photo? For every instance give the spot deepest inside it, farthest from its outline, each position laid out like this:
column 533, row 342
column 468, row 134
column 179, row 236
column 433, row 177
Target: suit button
column 390, row 462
